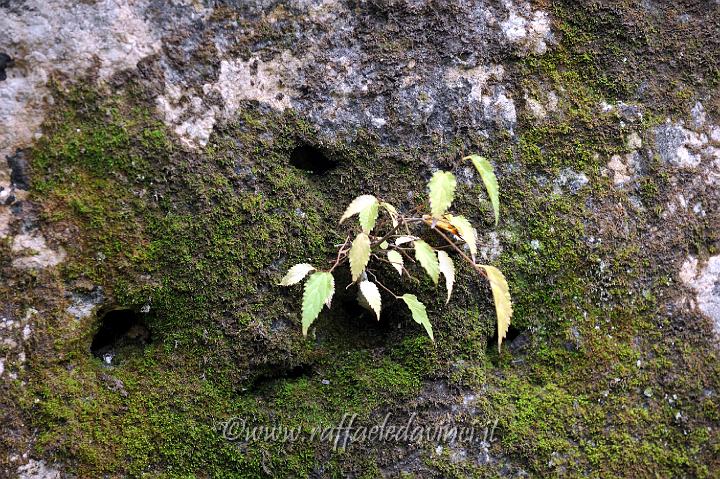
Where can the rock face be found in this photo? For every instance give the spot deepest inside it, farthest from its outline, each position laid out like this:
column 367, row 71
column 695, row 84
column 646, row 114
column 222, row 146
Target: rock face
column 172, row 159
column 705, row 282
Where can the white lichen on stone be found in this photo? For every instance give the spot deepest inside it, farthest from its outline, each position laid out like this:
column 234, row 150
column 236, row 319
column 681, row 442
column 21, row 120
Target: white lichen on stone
column 571, row 181
column 500, row 108
column 529, row 30
column 477, row 77
column 239, row 80
column 624, row 169
column 5, row 220
column 633, row 141
column 49, row 36
column 679, row 146
column 83, row 305
column 704, row 280
column 37, row 470
column 620, row 170
column 33, row 252
column 258, row 80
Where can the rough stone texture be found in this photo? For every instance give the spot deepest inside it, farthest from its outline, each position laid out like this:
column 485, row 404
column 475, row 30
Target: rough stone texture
column 146, row 163
column 705, row 281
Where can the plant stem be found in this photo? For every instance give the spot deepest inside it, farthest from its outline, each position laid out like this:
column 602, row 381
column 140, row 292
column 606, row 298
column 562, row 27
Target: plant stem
column 401, row 221
column 461, row 252
column 340, row 252
column 382, row 285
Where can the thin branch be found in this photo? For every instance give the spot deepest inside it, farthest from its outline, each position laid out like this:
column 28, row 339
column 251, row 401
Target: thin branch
column 396, row 264
column 461, row 252
column 403, row 221
column 403, row 252
column 340, row 252
column 382, row 285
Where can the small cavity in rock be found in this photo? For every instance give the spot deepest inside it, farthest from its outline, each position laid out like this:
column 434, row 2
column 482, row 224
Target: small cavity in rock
column 121, row 332
column 19, row 174
column 512, row 334
column 311, row 158
column 6, row 61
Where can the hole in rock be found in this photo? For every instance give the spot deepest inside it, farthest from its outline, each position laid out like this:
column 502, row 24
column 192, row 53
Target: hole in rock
column 6, row 61
column 310, row 158
column 512, row 334
column 349, row 319
column 122, row 332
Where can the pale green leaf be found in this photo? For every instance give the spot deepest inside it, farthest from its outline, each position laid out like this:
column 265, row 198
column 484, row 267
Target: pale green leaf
column 384, row 245
column 296, row 274
column 359, row 255
column 501, row 296
column 442, row 191
column 487, row 174
column 465, row 231
column 427, row 259
column 319, row 290
column 447, row 268
column 404, row 239
column 368, row 217
column 397, row 261
column 358, row 205
column 419, row 313
column 392, row 212
column 371, row 295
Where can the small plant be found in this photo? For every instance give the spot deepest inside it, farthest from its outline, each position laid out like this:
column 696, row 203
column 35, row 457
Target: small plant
column 401, row 244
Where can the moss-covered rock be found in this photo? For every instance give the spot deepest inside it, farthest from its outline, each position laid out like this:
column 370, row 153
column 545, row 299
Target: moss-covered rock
column 173, row 191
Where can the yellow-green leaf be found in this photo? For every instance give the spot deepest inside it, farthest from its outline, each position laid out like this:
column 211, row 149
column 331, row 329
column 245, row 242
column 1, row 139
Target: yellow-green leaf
column 487, row 174
column 368, row 217
column 296, row 274
column 466, row 232
column 359, row 255
column 419, row 313
column 427, row 259
column 319, row 290
column 447, row 268
column 358, row 205
column 392, row 212
column 442, row 191
column 371, row 295
column 397, row 261
column 501, row 296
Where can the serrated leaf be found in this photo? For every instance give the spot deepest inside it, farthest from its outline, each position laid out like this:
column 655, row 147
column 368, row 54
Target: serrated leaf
column 359, row 255
column 465, row 231
column 392, row 212
column 319, row 290
column 371, row 294
column 419, row 313
column 368, row 217
column 397, row 261
column 296, row 274
column 485, row 168
column 427, row 259
column 384, row 245
column 401, row 240
column 358, row 205
column 442, row 191
column 447, row 268
column 501, row 296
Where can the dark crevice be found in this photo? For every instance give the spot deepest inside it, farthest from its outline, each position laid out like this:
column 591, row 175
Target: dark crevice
column 312, row 159
column 122, row 332
column 512, row 334
column 6, row 61
column 19, row 170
